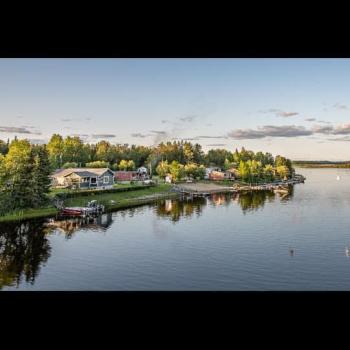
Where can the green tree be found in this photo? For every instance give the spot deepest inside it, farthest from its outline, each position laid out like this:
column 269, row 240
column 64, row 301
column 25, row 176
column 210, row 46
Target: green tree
column 69, row 165
column 244, row 170
column 282, row 171
column 3, row 147
column 97, row 164
column 55, row 148
column 191, row 170
column 40, row 175
column 163, row 169
column 176, row 170
column 74, row 150
column 126, row 165
column 217, row 157
column 188, row 152
column 268, row 172
column 17, row 180
column 200, row 173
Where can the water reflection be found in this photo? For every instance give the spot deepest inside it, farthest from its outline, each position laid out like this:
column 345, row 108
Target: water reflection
column 70, row 226
column 24, row 247
column 175, row 209
column 187, row 207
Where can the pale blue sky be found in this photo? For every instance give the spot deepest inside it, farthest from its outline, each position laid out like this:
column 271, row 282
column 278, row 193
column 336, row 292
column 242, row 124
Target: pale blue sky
column 162, row 99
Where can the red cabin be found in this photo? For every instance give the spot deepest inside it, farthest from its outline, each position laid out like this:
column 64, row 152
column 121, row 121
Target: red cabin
column 125, row 175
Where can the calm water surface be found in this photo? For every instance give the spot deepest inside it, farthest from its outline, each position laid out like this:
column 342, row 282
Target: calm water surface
column 224, row 242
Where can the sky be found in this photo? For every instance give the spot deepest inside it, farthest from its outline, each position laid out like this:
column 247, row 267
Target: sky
column 299, row 108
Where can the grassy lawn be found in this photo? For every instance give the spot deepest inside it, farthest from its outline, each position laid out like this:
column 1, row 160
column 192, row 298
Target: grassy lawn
column 29, row 214
column 121, row 200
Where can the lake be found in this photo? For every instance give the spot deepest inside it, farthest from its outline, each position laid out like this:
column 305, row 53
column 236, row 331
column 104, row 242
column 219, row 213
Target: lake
column 259, row 241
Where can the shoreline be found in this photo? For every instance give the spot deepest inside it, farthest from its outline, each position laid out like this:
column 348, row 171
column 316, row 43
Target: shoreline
column 49, row 212
column 112, row 201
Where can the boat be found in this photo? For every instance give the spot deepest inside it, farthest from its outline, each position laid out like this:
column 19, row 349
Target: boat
column 338, row 178
column 92, row 208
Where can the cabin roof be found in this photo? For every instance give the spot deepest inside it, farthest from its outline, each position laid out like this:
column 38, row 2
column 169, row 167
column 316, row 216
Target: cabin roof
column 232, row 170
column 83, row 172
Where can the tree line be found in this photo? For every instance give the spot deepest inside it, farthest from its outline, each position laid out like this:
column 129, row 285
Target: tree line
column 25, row 168
column 24, row 176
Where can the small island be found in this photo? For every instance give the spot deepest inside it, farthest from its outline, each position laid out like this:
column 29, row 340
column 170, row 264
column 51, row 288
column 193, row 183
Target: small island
column 37, row 180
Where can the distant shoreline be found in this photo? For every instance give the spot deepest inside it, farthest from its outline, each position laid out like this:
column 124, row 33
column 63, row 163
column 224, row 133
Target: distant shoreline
column 321, row 164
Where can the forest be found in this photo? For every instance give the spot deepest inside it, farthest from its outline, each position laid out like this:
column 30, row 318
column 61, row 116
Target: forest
column 25, row 168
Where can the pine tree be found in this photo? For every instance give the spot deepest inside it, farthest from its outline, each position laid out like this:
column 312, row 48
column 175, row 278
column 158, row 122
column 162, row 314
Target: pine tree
column 40, row 175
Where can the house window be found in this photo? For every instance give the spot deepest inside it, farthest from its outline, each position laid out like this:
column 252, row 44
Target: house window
column 106, row 179
column 93, row 180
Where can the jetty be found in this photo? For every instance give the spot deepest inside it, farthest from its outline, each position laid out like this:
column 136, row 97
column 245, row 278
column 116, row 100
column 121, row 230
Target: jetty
column 200, row 189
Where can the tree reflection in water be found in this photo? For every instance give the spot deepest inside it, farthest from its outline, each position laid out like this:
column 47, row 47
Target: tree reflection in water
column 175, row 209
column 250, row 201
column 25, row 247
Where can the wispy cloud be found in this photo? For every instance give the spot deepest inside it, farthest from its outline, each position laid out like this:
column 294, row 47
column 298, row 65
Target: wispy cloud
column 158, row 132
column 342, row 129
column 184, row 139
column 75, row 119
column 18, row 130
column 103, row 136
column 270, row 131
column 280, row 113
column 323, row 129
column 140, row 135
column 211, row 137
column 217, row 145
column 189, row 118
column 340, row 106
column 310, row 119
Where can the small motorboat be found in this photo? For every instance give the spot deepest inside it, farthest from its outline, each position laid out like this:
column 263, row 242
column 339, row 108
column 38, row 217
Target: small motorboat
column 92, row 208
column 338, row 178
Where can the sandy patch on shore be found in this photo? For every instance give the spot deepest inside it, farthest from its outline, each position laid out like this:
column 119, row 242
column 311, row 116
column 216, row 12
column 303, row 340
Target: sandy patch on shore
column 203, row 187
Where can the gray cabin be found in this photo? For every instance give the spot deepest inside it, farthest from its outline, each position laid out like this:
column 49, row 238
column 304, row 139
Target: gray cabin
column 83, row 178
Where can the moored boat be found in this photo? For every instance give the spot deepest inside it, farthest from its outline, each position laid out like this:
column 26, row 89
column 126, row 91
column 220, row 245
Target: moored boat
column 92, row 208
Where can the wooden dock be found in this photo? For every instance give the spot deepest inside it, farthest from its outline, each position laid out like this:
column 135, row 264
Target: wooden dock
column 200, row 189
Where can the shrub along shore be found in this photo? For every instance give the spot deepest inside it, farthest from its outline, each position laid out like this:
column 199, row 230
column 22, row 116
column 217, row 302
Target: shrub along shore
column 130, row 196
column 113, row 199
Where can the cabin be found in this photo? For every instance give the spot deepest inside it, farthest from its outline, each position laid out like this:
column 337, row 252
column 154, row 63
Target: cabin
column 231, row 174
column 208, row 171
column 216, row 175
column 126, row 175
column 142, row 173
column 83, row 178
